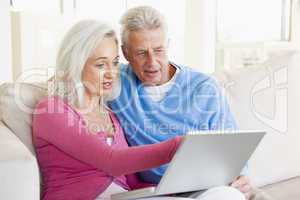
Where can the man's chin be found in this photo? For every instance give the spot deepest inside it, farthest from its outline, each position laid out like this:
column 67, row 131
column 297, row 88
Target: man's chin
column 151, row 82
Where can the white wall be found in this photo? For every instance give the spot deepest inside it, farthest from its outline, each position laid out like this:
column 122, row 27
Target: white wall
column 295, row 35
column 35, row 42
column 5, row 41
column 200, row 35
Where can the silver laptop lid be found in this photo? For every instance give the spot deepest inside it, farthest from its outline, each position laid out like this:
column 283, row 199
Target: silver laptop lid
column 209, row 159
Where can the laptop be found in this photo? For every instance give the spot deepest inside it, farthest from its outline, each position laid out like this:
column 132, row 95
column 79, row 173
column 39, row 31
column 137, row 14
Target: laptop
column 203, row 160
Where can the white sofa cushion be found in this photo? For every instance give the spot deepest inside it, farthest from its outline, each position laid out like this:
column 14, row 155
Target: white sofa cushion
column 19, row 174
column 267, row 97
column 17, row 102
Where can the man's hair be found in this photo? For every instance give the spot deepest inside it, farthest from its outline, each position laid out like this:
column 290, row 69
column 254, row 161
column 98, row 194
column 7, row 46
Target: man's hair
column 141, row 18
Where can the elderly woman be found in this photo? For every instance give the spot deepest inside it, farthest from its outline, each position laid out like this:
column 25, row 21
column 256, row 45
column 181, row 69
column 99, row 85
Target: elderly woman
column 79, row 142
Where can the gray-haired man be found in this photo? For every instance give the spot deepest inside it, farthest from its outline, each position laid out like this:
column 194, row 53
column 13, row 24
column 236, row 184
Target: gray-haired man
column 160, row 99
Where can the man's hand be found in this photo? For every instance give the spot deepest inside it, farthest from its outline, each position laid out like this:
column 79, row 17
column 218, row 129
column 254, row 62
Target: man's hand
column 242, row 183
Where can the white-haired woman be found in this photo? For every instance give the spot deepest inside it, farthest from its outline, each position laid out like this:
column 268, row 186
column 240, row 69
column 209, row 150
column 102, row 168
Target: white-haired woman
column 80, row 146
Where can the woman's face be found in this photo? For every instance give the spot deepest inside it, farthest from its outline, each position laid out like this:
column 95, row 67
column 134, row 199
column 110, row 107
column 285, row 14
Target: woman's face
column 101, row 69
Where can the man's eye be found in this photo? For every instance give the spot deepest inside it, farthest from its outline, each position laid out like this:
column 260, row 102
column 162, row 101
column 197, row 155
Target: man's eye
column 141, row 53
column 159, row 50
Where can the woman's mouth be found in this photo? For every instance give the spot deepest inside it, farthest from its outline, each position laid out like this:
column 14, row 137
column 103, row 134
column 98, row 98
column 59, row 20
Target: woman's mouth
column 107, row 85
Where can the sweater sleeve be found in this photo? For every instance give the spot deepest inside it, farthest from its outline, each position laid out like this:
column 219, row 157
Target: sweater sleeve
column 134, row 182
column 63, row 128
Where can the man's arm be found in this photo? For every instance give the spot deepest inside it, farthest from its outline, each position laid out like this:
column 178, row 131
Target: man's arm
column 223, row 119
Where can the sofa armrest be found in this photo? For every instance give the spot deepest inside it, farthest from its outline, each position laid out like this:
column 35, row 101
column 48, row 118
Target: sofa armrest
column 19, row 172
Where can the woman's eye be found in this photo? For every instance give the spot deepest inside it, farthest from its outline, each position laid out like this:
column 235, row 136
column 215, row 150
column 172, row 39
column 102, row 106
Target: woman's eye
column 100, row 66
column 116, row 63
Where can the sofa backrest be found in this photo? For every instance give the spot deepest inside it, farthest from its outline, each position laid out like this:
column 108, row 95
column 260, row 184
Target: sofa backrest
column 267, row 97
column 17, row 102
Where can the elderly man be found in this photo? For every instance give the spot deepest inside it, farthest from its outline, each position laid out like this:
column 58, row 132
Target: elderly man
column 160, row 99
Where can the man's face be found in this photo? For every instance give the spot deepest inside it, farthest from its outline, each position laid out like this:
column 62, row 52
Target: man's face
column 146, row 51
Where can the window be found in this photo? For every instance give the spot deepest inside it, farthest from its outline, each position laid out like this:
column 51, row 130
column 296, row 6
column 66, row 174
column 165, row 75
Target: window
column 253, row 20
column 248, row 30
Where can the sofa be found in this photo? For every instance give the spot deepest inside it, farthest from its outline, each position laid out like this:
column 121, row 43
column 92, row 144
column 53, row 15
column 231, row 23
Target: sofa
column 261, row 97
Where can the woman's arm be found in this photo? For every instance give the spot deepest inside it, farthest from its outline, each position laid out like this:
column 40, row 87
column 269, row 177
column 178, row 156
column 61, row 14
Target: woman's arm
column 134, row 182
column 63, row 128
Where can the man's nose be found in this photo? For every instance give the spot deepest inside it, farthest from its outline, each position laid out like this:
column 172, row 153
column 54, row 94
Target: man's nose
column 150, row 58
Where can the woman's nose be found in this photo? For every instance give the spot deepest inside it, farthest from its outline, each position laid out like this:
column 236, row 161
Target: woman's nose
column 110, row 73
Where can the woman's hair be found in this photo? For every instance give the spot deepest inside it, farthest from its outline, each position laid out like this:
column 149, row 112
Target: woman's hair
column 141, row 18
column 77, row 46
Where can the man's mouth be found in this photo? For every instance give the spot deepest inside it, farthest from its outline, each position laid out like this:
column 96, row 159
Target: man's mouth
column 151, row 72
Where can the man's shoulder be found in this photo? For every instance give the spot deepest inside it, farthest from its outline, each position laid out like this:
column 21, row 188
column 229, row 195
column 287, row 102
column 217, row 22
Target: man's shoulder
column 195, row 77
column 126, row 71
column 124, row 67
column 197, row 82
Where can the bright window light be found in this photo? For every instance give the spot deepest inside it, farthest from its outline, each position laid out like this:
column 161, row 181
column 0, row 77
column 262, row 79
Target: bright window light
column 253, row 20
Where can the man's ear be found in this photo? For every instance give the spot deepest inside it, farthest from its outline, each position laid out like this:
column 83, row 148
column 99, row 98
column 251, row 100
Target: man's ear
column 124, row 51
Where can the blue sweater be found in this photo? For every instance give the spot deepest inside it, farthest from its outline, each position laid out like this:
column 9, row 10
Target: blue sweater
column 193, row 103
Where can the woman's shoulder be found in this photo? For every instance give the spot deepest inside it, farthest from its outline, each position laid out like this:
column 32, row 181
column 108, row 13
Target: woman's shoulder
column 51, row 112
column 50, row 99
column 52, row 104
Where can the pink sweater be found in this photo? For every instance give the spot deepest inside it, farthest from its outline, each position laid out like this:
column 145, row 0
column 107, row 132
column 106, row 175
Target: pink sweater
column 77, row 165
